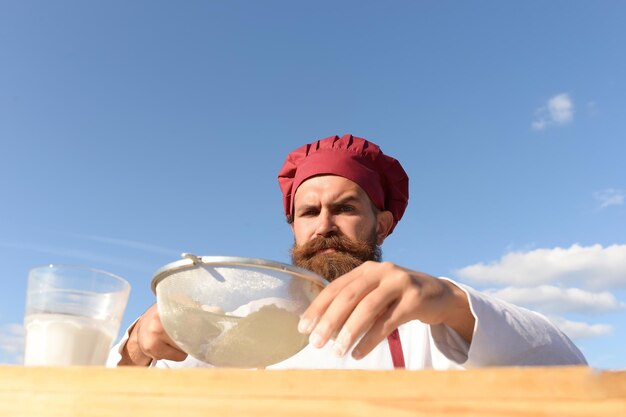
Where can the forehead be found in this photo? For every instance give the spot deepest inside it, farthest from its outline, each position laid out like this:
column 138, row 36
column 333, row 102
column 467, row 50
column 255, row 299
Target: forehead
column 328, row 188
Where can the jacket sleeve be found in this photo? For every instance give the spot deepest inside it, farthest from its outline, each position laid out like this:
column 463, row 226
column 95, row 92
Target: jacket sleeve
column 506, row 335
column 115, row 354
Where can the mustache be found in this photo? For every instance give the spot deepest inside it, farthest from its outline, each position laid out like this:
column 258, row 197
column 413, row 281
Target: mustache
column 348, row 255
column 338, row 243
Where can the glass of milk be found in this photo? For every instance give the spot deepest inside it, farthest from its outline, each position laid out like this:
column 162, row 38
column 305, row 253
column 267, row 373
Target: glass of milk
column 73, row 315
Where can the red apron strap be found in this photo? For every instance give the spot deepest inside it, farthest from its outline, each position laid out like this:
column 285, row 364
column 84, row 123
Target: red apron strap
column 395, row 346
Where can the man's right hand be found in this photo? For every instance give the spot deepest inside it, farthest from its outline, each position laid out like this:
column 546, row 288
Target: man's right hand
column 148, row 340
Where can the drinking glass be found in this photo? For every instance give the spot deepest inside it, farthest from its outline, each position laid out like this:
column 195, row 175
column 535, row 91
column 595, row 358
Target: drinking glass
column 73, row 315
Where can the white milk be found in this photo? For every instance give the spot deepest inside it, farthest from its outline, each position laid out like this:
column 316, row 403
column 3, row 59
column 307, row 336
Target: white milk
column 63, row 340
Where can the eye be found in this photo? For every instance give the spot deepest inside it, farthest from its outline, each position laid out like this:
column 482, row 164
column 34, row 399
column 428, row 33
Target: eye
column 346, row 209
column 309, row 213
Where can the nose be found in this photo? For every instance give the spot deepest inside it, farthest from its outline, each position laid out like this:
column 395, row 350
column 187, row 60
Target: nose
column 326, row 225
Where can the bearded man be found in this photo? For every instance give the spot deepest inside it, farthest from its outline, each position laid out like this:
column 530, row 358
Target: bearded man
column 343, row 197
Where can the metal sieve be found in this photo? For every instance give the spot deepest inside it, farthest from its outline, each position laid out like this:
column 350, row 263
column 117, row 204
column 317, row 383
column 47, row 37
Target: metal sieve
column 235, row 311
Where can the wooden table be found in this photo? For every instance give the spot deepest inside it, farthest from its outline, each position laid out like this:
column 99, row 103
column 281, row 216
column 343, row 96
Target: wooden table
column 138, row 392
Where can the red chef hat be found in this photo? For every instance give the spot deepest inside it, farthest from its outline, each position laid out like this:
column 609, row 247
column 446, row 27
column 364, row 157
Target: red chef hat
column 381, row 176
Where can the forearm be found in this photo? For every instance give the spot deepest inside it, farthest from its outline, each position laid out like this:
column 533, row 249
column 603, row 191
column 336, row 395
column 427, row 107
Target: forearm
column 459, row 315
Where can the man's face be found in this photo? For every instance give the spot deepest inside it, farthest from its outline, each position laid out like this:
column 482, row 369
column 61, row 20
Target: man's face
column 335, row 226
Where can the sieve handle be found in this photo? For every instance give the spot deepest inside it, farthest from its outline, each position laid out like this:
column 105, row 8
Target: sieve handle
column 196, row 260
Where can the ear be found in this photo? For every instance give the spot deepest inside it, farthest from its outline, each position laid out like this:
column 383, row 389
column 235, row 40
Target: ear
column 384, row 222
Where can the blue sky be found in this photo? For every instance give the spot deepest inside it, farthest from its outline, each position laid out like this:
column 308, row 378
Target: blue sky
column 133, row 131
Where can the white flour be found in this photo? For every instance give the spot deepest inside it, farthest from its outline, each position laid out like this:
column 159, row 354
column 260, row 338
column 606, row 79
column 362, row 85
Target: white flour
column 266, row 336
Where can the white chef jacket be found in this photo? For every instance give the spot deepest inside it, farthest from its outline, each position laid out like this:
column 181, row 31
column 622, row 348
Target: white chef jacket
column 504, row 335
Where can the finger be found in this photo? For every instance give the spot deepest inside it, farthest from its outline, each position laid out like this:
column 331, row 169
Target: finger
column 158, row 345
column 168, row 344
column 382, row 328
column 161, row 335
column 341, row 307
column 165, row 351
column 172, row 353
column 154, row 341
column 318, row 306
column 363, row 317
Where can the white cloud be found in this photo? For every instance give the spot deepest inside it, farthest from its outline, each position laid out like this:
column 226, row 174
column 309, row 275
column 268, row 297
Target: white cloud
column 131, row 244
column 587, row 266
column 539, row 124
column 576, row 330
column 11, row 343
column 81, row 254
column 551, row 299
column 609, row 197
column 559, row 110
column 543, row 280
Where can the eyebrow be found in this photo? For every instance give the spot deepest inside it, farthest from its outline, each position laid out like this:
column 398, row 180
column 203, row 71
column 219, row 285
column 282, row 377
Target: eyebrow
column 342, row 201
column 347, row 199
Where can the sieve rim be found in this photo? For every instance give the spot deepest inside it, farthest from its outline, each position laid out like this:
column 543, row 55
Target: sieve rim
column 187, row 264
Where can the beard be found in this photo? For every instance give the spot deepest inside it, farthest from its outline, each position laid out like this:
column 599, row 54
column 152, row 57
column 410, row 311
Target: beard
column 347, row 255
